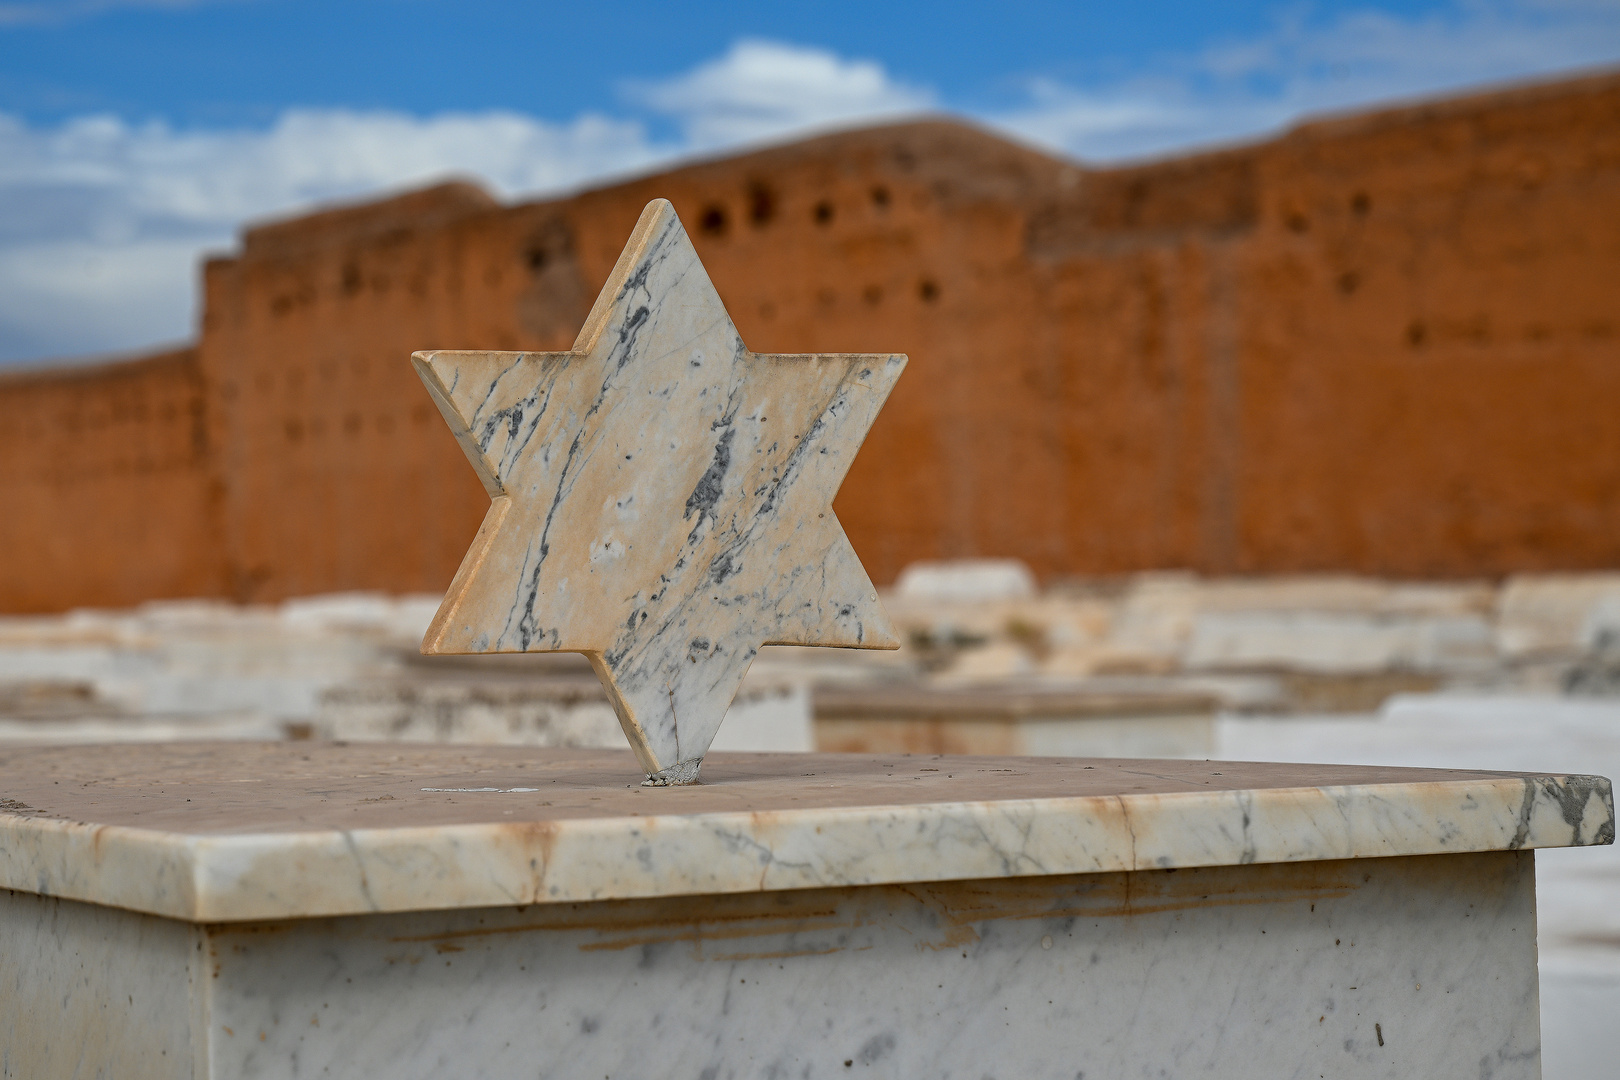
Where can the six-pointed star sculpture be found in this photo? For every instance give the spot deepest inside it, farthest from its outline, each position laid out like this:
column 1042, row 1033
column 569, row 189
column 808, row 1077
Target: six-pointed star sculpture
column 661, row 499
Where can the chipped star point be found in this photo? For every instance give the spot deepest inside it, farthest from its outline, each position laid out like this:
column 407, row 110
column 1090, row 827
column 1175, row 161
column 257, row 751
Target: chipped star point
column 661, row 499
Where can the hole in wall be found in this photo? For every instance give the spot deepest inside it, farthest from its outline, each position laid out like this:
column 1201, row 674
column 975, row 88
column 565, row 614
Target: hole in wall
column 713, row 221
column 761, row 204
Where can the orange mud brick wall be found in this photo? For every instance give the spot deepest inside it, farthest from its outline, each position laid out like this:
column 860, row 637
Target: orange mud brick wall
column 1386, row 344
column 106, row 498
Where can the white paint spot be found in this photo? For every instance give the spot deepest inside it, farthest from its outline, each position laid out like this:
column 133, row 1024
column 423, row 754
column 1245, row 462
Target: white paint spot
column 609, row 548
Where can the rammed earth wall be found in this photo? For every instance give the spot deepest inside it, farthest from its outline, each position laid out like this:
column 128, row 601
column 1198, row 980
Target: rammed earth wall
column 1387, row 344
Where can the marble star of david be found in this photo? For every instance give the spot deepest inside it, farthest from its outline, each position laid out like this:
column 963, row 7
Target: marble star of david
column 661, row 499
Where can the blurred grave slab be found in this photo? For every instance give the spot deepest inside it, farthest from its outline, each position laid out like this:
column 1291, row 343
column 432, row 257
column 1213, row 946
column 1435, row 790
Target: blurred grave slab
column 70, row 711
column 46, row 699
column 147, row 727
column 279, row 910
column 1325, row 638
column 279, row 664
column 1014, row 718
column 535, row 699
column 209, row 657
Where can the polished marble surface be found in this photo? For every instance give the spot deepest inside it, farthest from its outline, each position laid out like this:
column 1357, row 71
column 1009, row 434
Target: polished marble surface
column 210, row 832
column 661, row 499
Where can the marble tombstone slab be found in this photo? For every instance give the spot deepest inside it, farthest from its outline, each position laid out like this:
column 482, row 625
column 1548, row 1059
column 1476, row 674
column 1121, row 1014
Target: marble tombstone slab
column 420, row 911
column 660, row 499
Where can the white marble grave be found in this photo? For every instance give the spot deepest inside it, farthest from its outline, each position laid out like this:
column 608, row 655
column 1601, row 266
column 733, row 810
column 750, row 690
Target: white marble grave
column 285, row 910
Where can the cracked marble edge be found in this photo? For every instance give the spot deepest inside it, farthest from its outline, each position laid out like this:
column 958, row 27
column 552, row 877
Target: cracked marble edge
column 224, row 878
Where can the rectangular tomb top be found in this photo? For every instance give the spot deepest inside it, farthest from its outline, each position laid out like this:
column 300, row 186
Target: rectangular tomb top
column 1006, row 703
column 224, row 832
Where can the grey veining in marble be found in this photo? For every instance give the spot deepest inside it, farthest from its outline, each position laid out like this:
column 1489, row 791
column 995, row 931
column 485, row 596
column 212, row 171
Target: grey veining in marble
column 661, row 499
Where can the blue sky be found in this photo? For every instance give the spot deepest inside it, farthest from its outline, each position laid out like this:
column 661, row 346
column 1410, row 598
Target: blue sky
column 137, row 134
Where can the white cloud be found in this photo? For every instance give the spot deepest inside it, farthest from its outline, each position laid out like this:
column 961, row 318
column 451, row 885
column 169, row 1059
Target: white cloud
column 46, row 12
column 79, row 297
column 153, row 172
column 102, row 222
column 1242, row 89
column 765, row 89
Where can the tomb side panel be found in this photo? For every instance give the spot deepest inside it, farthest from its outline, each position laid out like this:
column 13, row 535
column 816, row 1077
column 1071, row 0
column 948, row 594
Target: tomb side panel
column 88, row 991
column 1369, row 968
